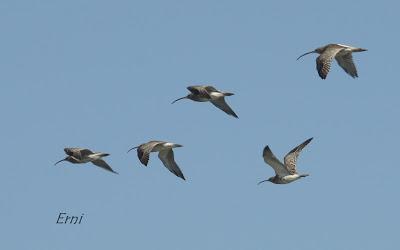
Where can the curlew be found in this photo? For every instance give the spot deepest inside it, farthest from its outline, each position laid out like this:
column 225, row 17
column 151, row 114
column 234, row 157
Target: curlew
column 209, row 93
column 342, row 54
column 284, row 172
column 83, row 155
column 165, row 154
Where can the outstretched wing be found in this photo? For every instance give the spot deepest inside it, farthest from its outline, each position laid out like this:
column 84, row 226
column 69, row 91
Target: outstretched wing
column 274, row 162
column 78, row 153
column 167, row 157
column 291, row 157
column 345, row 60
column 210, row 89
column 144, row 151
column 199, row 90
column 85, row 152
column 325, row 59
column 222, row 105
column 101, row 163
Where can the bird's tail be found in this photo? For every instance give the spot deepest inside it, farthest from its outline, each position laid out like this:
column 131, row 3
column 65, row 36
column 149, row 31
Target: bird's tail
column 228, row 94
column 359, row 50
column 304, row 175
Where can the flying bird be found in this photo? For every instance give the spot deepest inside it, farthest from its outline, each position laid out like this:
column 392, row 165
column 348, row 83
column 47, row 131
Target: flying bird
column 342, row 54
column 83, row 155
column 209, row 93
column 165, row 154
column 284, row 172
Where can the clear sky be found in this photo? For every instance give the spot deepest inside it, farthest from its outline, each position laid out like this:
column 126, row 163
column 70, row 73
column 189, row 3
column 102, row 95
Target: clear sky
column 102, row 75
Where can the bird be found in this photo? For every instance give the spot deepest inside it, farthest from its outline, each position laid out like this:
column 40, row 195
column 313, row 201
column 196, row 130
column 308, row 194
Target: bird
column 204, row 93
column 165, row 154
column 284, row 172
column 342, row 54
column 83, row 155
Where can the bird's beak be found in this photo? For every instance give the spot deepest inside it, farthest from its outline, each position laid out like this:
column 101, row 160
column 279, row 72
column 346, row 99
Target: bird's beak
column 305, row 54
column 179, row 99
column 60, row 161
column 178, row 145
column 262, row 181
column 132, row 148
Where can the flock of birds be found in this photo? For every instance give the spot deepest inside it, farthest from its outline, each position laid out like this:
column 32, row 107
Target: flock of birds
column 285, row 172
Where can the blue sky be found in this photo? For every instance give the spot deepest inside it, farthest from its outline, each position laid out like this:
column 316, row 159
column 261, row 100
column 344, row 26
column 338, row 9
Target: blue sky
column 102, row 75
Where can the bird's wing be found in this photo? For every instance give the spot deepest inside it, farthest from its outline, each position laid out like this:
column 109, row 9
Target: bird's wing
column 345, row 60
column 210, row 89
column 72, row 151
column 291, row 157
column 85, row 152
column 222, row 105
column 274, row 162
column 101, row 163
column 167, row 157
column 199, row 90
column 325, row 59
column 78, row 153
column 144, row 151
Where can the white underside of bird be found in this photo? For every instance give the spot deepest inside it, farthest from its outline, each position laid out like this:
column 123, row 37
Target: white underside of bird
column 216, row 95
column 165, row 146
column 290, row 178
column 93, row 157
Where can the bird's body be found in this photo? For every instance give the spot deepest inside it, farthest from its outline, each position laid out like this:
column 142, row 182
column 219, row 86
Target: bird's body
column 204, row 93
column 284, row 172
column 83, row 155
column 286, row 179
column 342, row 54
column 165, row 154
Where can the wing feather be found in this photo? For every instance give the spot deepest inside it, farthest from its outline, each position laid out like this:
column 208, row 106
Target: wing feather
column 210, row 89
column 325, row 59
column 291, row 157
column 274, row 162
column 222, row 105
column 144, row 150
column 101, row 163
column 78, row 153
column 345, row 60
column 199, row 90
column 167, row 158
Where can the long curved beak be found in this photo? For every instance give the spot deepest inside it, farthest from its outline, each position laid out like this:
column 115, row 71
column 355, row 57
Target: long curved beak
column 132, row 148
column 262, row 182
column 179, row 99
column 60, row 161
column 305, row 54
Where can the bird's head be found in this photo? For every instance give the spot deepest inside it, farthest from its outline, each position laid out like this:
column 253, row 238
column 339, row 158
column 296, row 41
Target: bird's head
column 320, row 50
column 68, row 151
